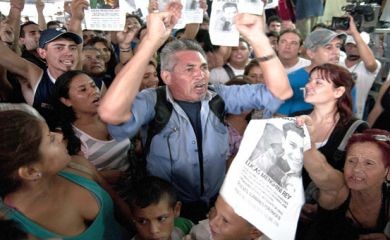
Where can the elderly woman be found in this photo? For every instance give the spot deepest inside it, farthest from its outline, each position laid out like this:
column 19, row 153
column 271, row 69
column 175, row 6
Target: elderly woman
column 353, row 204
column 38, row 191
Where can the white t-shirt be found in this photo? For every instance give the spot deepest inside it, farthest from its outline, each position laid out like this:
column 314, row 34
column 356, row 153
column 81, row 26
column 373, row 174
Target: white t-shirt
column 363, row 84
column 302, row 62
column 219, row 75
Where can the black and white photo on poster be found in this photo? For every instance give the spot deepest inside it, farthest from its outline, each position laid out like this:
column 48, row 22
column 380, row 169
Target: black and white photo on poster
column 264, row 182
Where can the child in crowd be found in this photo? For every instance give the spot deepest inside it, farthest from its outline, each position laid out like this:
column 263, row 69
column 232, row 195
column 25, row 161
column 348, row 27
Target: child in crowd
column 155, row 211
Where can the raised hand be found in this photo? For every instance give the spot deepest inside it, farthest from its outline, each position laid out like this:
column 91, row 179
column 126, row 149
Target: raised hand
column 125, row 37
column 40, row 5
column 250, row 26
column 77, row 8
column 18, row 4
column 160, row 25
column 153, row 6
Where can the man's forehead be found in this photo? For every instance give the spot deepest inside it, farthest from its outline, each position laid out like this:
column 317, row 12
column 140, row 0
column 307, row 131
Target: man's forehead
column 289, row 36
column 275, row 23
column 186, row 56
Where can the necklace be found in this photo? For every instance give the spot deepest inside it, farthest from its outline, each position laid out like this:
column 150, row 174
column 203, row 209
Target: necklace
column 326, row 138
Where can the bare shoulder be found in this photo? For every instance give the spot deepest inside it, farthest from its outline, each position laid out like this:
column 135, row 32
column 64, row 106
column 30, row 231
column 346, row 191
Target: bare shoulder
column 81, row 166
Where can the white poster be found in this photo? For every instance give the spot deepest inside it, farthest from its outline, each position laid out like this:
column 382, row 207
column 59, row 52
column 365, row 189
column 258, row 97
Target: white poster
column 264, row 181
column 222, row 28
column 105, row 15
column 192, row 13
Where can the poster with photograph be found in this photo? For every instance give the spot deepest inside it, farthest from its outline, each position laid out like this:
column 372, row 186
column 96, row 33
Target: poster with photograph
column 192, row 13
column 105, row 15
column 222, row 28
column 264, row 181
column 251, row 6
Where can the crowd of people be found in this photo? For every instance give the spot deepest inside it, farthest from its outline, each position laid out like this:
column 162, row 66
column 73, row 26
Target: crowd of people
column 129, row 134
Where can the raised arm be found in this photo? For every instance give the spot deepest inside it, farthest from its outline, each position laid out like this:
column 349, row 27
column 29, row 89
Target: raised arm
column 16, row 8
column 77, row 10
column 275, row 77
column 115, row 107
column 29, row 73
column 40, row 5
column 365, row 52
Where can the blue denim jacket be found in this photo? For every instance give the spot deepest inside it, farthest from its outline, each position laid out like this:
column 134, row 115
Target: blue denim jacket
column 173, row 152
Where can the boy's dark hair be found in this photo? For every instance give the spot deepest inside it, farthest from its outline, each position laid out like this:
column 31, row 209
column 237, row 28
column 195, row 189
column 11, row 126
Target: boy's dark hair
column 273, row 18
column 150, row 190
column 272, row 34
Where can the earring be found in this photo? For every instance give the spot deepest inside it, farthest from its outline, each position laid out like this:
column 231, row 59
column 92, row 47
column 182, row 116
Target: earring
column 38, row 176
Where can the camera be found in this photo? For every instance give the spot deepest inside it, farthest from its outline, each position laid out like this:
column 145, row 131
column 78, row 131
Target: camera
column 340, row 23
column 362, row 12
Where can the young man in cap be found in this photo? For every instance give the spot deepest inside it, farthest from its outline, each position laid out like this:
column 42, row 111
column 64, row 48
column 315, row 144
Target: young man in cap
column 361, row 62
column 322, row 46
column 60, row 50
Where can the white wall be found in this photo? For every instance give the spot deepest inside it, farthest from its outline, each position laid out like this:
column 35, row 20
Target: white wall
column 30, row 10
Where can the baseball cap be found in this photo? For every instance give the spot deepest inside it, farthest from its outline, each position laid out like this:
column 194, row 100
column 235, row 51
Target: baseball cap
column 50, row 35
column 321, row 37
column 365, row 36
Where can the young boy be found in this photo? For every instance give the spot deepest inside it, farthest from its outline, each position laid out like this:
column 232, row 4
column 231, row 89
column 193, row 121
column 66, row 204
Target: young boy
column 155, row 210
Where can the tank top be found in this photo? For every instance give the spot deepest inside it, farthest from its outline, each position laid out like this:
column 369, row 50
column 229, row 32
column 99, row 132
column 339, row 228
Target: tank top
column 104, row 227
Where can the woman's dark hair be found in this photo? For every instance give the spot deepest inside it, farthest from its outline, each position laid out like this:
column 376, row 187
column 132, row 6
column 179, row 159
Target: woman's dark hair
column 110, row 65
column 377, row 136
column 340, row 77
column 250, row 65
column 65, row 115
column 20, row 138
column 129, row 15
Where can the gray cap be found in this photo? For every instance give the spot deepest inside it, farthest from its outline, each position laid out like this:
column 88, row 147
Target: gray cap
column 321, row 37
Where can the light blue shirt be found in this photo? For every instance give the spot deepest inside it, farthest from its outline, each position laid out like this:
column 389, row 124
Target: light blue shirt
column 173, row 152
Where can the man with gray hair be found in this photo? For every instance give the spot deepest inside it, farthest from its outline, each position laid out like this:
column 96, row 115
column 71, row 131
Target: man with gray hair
column 191, row 149
column 322, row 46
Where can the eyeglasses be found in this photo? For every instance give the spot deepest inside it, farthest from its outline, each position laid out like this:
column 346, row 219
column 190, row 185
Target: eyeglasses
column 381, row 138
column 377, row 137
